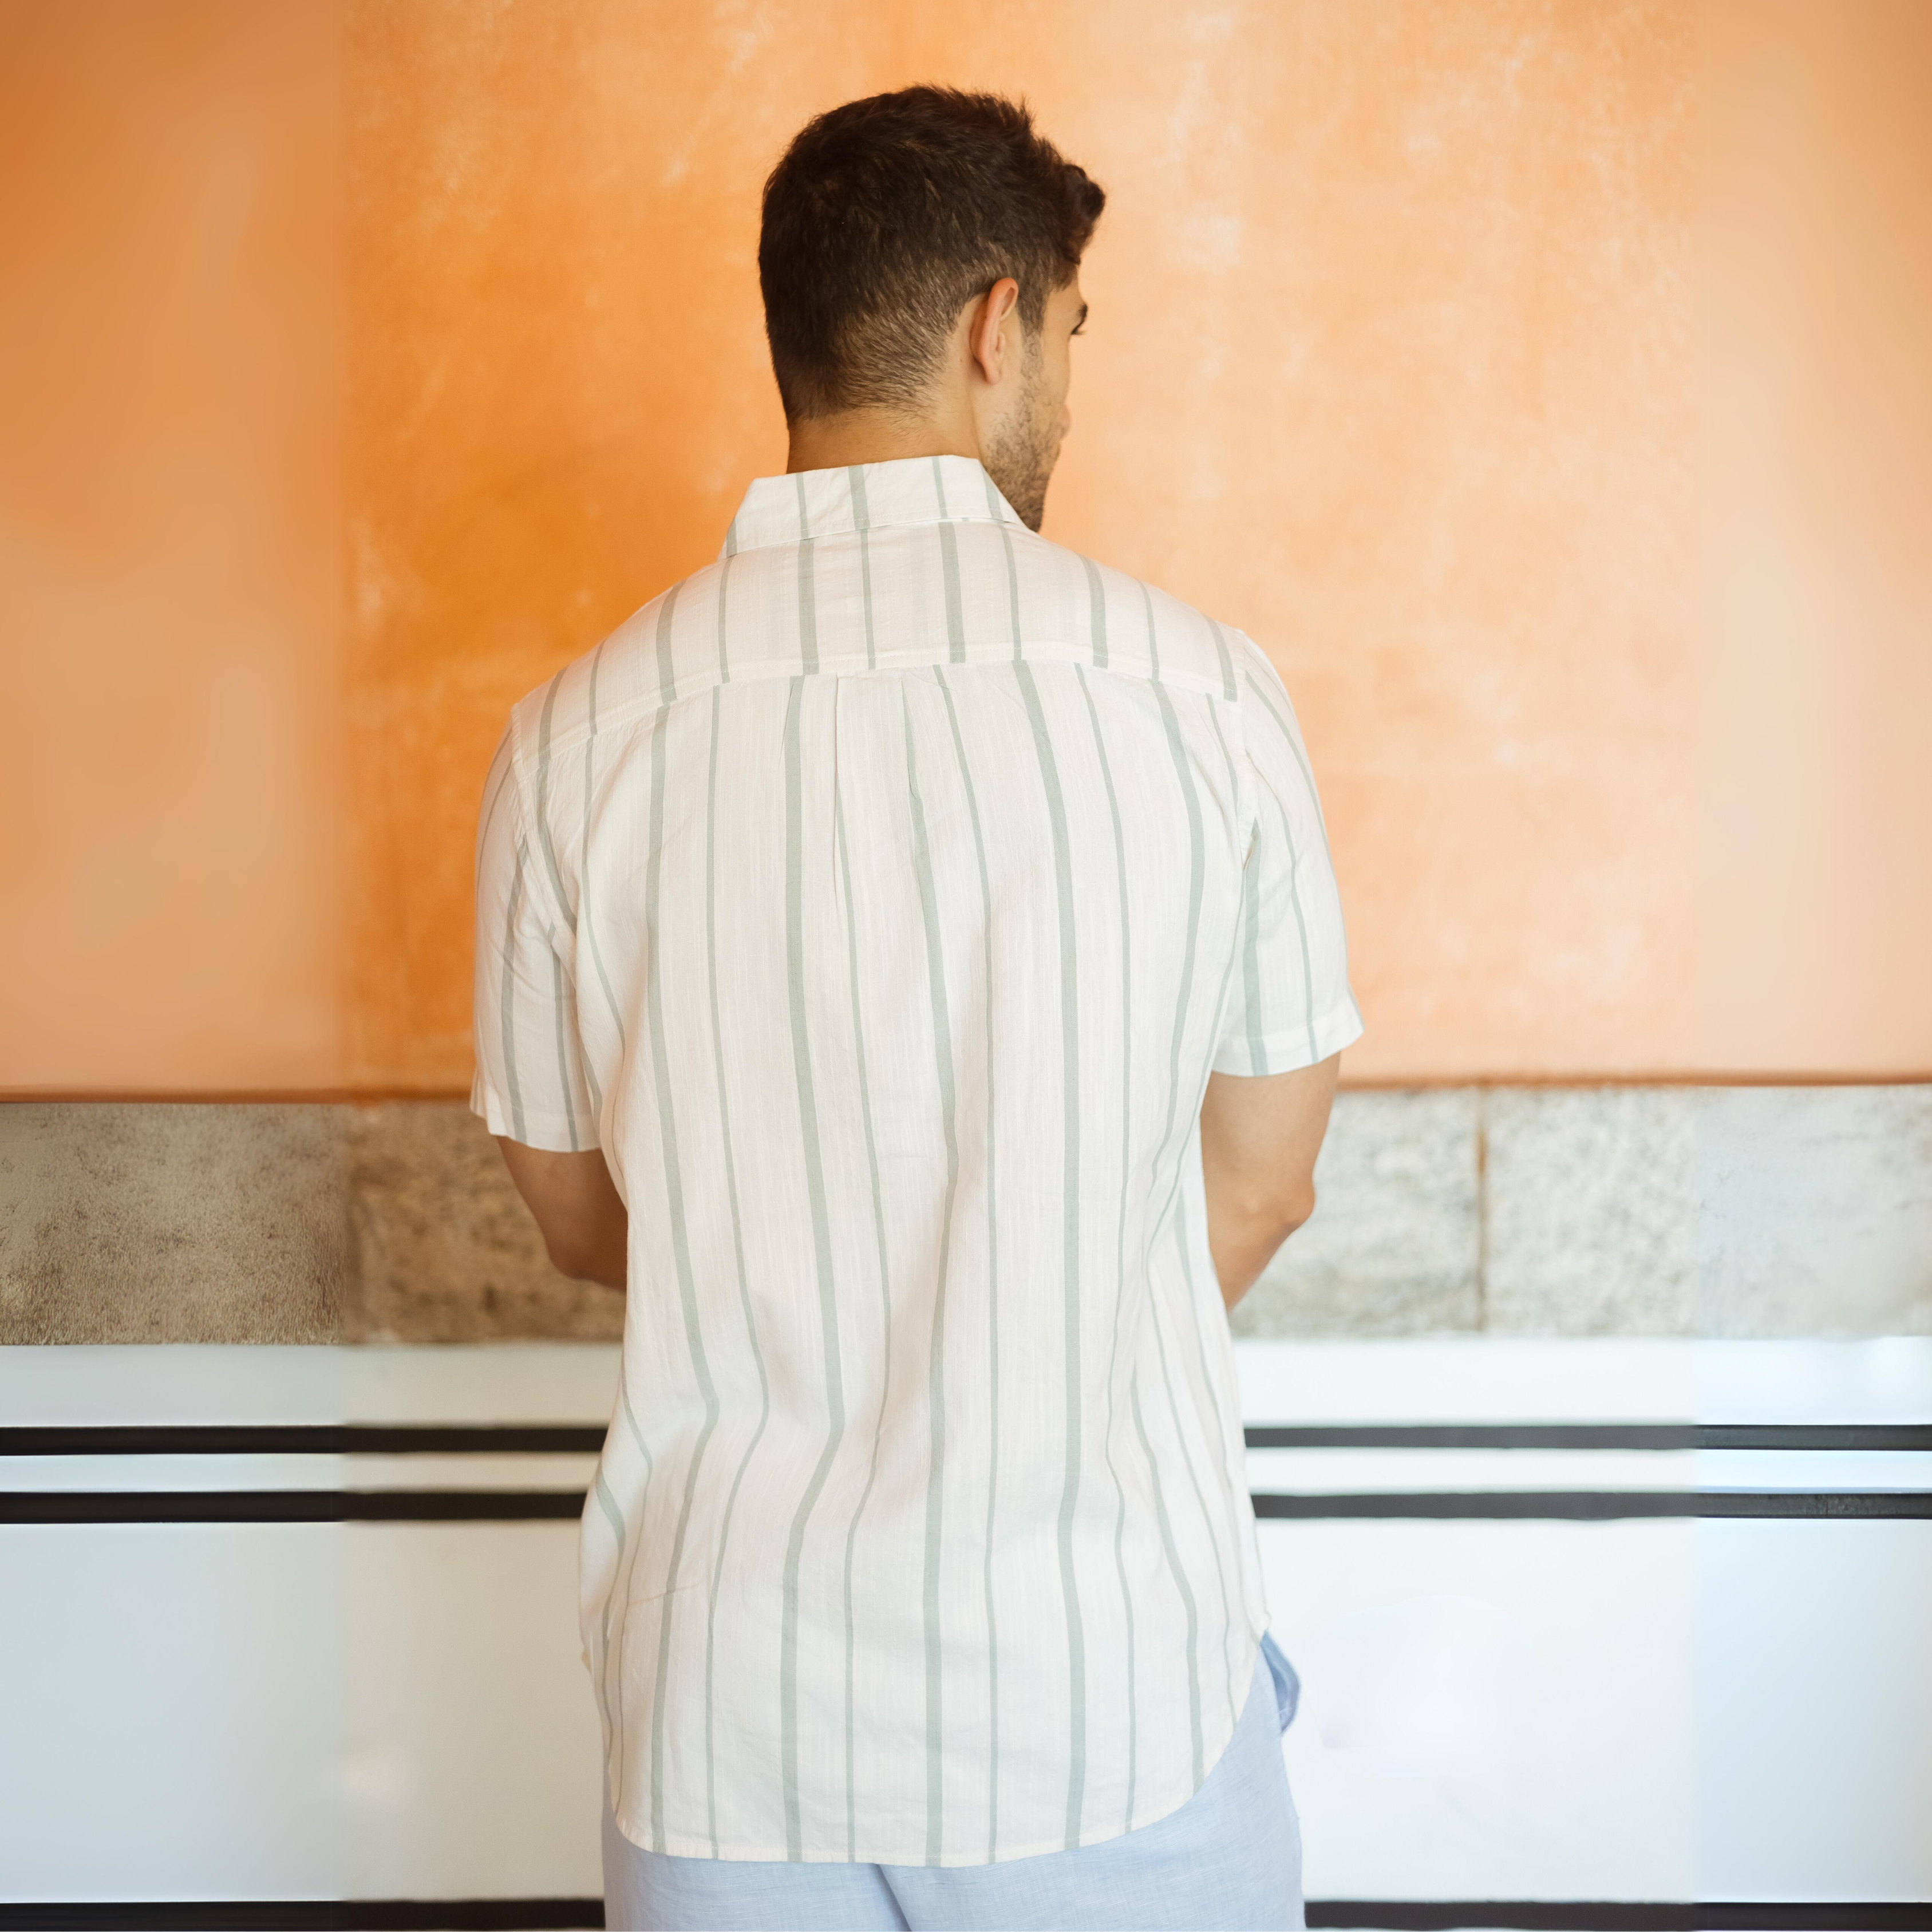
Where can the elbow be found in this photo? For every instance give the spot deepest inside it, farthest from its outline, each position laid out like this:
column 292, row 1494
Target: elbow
column 1299, row 1208
column 1303, row 1206
column 577, row 1262
column 567, row 1260
column 574, row 1259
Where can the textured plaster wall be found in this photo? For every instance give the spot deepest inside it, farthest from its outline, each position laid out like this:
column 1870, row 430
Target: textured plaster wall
column 171, row 625
column 1543, row 382
column 1390, row 363
column 1633, row 1211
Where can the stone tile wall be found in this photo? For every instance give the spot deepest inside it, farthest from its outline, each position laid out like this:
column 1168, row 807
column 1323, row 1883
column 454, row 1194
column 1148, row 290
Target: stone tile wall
column 1732, row 1212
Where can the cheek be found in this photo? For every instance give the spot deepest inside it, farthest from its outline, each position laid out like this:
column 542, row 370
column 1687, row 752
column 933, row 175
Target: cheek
column 1055, row 397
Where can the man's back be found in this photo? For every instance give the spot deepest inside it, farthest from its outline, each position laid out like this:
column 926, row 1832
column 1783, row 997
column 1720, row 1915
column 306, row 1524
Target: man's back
column 879, row 900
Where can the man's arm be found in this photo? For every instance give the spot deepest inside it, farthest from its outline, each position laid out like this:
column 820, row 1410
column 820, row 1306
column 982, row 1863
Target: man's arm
column 1259, row 1136
column 578, row 1207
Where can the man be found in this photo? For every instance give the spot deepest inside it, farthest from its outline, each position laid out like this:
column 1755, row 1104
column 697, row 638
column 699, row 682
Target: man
column 908, row 963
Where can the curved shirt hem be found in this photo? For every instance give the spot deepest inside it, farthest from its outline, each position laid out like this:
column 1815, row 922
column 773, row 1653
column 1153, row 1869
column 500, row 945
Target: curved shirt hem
column 678, row 1846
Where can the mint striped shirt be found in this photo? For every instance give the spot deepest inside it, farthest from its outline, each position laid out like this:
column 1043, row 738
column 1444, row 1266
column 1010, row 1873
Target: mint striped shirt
column 878, row 899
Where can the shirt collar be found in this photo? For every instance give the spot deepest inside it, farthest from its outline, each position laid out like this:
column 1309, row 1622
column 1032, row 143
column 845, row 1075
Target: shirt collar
column 867, row 496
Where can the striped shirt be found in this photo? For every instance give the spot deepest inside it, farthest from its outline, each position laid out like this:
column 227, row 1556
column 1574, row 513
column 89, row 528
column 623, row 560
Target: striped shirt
column 879, row 899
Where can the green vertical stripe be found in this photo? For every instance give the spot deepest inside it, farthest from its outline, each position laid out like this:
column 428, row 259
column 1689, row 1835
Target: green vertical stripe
column 563, row 1055
column 1300, row 928
column 509, row 1021
column 1269, row 705
column 862, row 522
column 724, row 651
column 1251, row 961
column 808, row 600
column 1197, row 873
column 1012, row 584
column 885, row 1308
column 939, row 487
column 949, row 566
column 1231, row 1508
column 1187, row 1462
column 992, row 1270
column 1096, row 616
column 1201, row 1090
column 542, row 803
column 1178, row 1571
column 680, row 1243
column 738, row 1255
column 1229, row 690
column 821, row 1235
column 667, row 667
column 615, row 1517
column 636, row 1551
column 865, row 591
column 1250, row 912
column 1153, row 648
column 1070, row 1030
column 942, row 1039
column 585, row 910
column 1121, row 1242
column 504, row 779
column 586, row 914
column 1216, row 715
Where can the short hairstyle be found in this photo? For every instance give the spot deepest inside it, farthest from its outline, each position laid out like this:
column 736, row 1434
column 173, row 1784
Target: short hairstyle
column 885, row 217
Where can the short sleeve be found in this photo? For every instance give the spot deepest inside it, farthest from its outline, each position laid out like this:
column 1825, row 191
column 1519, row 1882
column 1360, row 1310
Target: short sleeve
column 1289, row 1003
column 529, row 1083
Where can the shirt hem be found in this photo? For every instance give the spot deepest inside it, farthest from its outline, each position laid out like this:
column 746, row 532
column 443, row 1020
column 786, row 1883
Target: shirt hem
column 1287, row 1052
column 677, row 1845
column 551, row 1133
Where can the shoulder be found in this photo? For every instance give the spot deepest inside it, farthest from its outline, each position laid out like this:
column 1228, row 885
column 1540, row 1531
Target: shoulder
column 606, row 687
column 1138, row 624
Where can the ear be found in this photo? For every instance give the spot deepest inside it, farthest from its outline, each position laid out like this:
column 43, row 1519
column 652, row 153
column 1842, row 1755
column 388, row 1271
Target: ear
column 986, row 334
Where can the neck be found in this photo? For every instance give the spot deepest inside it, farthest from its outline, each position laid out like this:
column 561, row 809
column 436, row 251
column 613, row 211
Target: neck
column 879, row 435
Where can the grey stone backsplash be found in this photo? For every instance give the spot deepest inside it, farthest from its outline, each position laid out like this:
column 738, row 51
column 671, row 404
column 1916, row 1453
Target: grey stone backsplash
column 1607, row 1211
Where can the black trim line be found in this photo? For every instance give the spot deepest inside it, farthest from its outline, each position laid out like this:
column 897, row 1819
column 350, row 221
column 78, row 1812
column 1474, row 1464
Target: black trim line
column 305, row 1438
column 437, row 1438
column 1613, row 1915
column 534, row 1915
column 1599, row 1505
column 1917, row 1436
column 1647, row 1435
column 51, row 1506
column 307, row 1914
column 109, row 1506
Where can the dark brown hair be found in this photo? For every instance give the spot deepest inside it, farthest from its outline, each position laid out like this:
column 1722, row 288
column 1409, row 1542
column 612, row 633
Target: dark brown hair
column 886, row 216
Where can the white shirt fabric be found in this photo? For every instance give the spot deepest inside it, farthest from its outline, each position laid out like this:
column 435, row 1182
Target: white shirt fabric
column 878, row 899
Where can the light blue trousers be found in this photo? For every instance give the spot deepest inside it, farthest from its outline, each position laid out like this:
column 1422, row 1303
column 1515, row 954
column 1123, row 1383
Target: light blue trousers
column 1228, row 1861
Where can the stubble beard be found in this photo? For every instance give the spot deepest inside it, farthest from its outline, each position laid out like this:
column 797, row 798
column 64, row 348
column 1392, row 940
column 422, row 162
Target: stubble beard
column 1020, row 460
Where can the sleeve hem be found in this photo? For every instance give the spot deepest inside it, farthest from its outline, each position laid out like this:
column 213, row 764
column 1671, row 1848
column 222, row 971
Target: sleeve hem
column 1287, row 1052
column 554, row 1133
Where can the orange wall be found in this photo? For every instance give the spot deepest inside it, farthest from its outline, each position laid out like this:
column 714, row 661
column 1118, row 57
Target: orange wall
column 1815, row 777
column 1420, row 349
column 170, row 889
